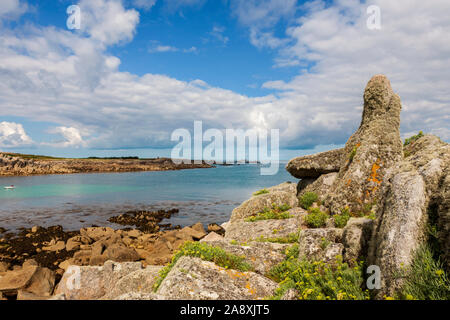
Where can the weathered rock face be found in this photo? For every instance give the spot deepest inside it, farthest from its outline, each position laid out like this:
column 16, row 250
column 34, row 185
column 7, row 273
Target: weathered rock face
column 313, row 166
column 243, row 231
column 29, row 279
column 431, row 158
column 321, row 186
column 92, row 283
column 279, row 195
column 139, row 281
column 320, row 244
column 195, row 279
column 370, row 152
column 444, row 221
column 400, row 225
column 356, row 236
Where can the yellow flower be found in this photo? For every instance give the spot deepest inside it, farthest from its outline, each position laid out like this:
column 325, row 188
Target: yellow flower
column 440, row 272
column 409, row 297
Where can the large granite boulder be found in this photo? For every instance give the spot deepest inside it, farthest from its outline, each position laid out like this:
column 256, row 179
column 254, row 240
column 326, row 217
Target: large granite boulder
column 444, row 220
column 243, row 231
column 371, row 151
column 194, row 279
column 140, row 281
column 30, row 280
column 285, row 193
column 399, row 228
column 313, row 166
column 262, row 256
column 431, row 158
column 93, row 283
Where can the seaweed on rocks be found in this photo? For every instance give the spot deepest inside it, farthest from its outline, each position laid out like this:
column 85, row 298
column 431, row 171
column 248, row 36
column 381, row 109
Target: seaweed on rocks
column 145, row 221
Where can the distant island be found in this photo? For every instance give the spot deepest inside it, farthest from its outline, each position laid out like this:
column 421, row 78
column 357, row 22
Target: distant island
column 14, row 164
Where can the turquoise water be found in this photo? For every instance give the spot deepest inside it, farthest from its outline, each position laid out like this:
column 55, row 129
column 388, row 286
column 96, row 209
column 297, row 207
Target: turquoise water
column 79, row 200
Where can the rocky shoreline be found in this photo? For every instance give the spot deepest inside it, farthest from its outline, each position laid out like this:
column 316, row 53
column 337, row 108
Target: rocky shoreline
column 51, row 251
column 14, row 165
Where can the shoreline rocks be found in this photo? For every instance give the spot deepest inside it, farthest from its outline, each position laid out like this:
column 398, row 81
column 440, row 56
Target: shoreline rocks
column 14, row 165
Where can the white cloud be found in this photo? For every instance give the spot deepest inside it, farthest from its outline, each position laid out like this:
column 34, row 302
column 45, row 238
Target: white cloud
column 161, row 48
column 71, row 137
column 13, row 135
column 107, row 21
column 11, row 9
column 218, row 34
column 144, row 4
column 57, row 76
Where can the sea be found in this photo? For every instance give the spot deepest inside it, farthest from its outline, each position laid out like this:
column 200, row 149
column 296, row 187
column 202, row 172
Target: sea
column 82, row 200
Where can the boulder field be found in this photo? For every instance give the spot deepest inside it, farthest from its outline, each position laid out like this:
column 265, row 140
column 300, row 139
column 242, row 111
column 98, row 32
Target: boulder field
column 373, row 201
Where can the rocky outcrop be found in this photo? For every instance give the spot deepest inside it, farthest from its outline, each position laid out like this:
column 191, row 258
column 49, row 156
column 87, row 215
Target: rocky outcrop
column 15, row 165
column 371, row 151
column 313, row 166
column 405, row 187
column 400, row 226
column 195, row 279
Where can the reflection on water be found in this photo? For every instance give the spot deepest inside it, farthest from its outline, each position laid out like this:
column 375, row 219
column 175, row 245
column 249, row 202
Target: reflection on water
column 75, row 201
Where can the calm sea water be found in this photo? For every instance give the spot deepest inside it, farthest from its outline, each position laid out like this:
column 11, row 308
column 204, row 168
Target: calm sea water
column 80, row 200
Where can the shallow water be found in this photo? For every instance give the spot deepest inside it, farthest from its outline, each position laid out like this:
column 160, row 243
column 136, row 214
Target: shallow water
column 79, row 200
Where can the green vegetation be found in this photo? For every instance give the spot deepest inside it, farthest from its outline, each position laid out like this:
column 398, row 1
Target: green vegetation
column 205, row 252
column 413, row 138
column 425, row 279
column 290, row 238
column 324, row 243
column 277, row 213
column 352, row 154
column 308, row 199
column 316, row 218
column 114, row 158
column 318, row 280
column 260, row 192
column 340, row 220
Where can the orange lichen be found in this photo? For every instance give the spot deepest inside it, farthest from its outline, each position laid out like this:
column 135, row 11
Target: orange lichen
column 250, row 289
column 374, row 176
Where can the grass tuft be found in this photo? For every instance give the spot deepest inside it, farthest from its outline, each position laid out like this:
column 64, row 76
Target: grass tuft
column 260, row 192
column 308, row 199
column 316, row 218
column 413, row 138
column 275, row 213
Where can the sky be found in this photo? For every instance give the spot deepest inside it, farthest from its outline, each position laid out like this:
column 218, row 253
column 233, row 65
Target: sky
column 137, row 70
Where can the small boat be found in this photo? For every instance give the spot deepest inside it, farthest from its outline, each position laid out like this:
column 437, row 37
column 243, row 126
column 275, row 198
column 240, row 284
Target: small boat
column 10, row 187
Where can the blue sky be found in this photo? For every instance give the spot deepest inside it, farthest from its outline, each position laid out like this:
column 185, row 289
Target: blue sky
column 139, row 69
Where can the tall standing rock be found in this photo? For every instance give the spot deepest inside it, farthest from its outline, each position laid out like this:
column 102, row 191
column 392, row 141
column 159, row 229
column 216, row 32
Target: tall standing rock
column 371, row 151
